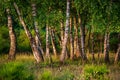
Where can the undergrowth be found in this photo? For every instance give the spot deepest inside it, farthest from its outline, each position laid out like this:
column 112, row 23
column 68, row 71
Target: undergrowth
column 25, row 68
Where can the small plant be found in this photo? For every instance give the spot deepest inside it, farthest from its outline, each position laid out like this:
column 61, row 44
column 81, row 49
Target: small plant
column 95, row 72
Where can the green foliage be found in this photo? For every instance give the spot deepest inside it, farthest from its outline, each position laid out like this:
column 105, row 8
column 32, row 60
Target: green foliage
column 23, row 42
column 4, row 39
column 114, row 40
column 15, row 70
column 95, row 72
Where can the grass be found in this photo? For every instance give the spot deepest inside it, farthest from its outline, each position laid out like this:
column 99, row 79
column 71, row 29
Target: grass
column 25, row 68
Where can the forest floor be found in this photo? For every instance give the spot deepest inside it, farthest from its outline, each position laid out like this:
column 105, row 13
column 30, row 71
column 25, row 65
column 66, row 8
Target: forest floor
column 25, row 68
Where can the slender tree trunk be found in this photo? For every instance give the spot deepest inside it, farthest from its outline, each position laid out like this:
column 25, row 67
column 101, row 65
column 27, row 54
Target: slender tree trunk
column 71, row 42
column 100, row 43
column 76, row 45
column 38, row 56
column 93, row 57
column 75, row 36
column 48, row 56
column 82, row 32
column 117, row 57
column 12, row 50
column 88, row 45
column 106, row 47
column 62, row 31
column 53, row 42
column 37, row 36
column 64, row 45
column 62, row 37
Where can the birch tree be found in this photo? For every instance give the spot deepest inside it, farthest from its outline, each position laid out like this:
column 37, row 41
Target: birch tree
column 38, row 56
column 64, row 43
column 12, row 50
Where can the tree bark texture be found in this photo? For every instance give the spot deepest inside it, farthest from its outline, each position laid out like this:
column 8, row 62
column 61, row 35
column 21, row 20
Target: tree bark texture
column 48, row 56
column 53, row 42
column 12, row 36
column 38, row 56
column 82, row 37
column 76, row 41
column 93, row 57
column 63, row 52
column 71, row 41
column 106, row 47
column 117, row 57
column 37, row 36
column 62, row 31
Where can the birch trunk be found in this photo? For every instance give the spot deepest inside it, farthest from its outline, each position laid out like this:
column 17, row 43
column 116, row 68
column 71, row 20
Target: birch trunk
column 63, row 52
column 71, row 41
column 53, row 42
column 76, row 41
column 82, row 37
column 48, row 56
column 75, row 36
column 38, row 56
column 12, row 50
column 93, row 57
column 117, row 57
column 62, row 32
column 37, row 36
column 106, row 47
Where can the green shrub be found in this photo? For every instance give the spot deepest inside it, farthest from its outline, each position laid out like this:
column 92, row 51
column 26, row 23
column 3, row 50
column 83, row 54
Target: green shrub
column 95, row 72
column 15, row 71
column 46, row 75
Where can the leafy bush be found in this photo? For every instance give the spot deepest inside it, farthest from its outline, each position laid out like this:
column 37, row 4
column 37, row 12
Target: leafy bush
column 4, row 39
column 15, row 71
column 95, row 72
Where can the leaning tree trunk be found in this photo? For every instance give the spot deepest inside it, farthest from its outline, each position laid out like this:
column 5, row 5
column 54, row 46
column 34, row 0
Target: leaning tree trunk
column 71, row 42
column 117, row 57
column 37, row 36
column 53, row 42
column 12, row 50
column 106, row 47
column 82, row 33
column 38, row 56
column 64, row 43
